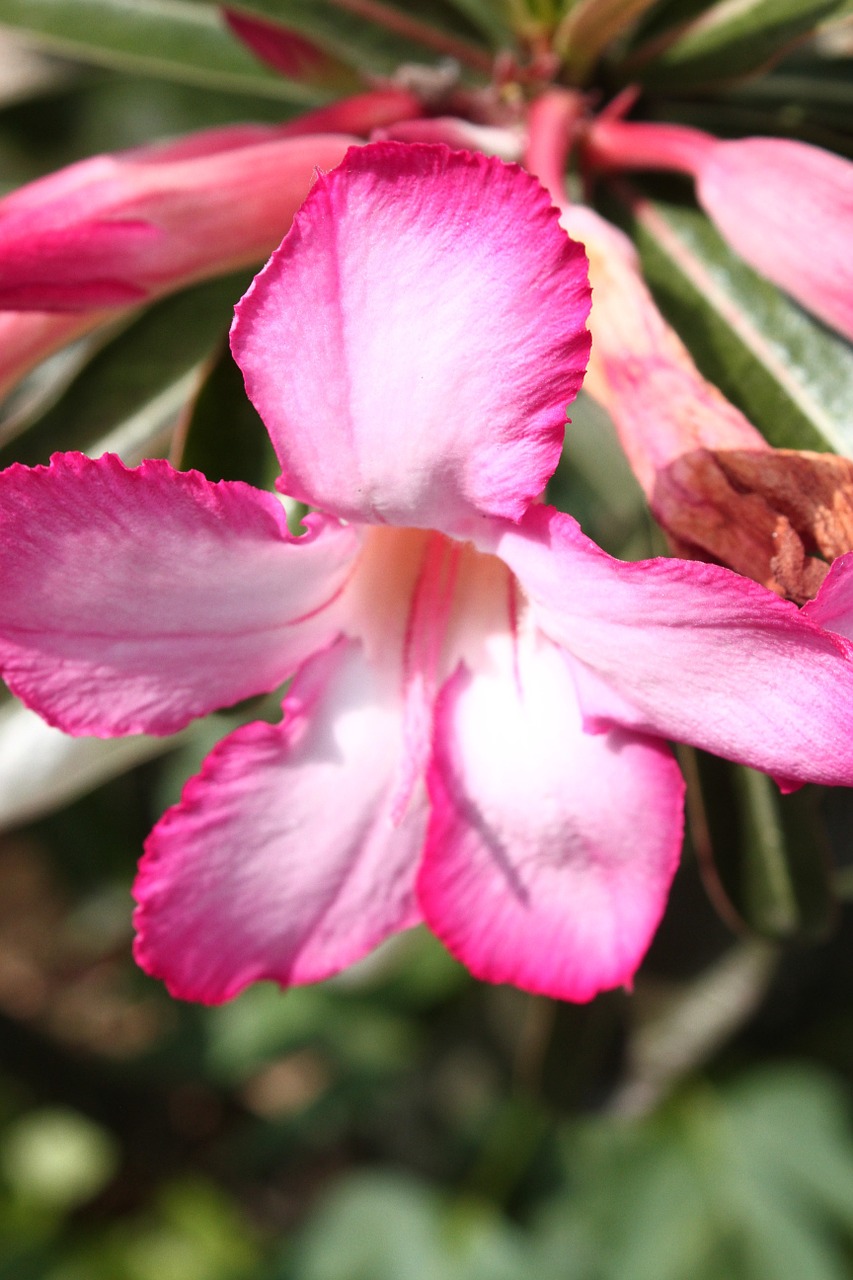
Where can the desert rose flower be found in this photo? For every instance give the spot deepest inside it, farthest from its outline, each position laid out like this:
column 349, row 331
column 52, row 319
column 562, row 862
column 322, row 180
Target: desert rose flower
column 475, row 732
column 785, row 207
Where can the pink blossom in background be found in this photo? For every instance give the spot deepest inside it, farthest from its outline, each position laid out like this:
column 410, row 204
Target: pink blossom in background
column 639, row 370
column 475, row 732
column 117, row 230
column 784, row 206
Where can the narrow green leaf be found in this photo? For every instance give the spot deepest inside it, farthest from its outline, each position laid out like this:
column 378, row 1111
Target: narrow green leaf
column 809, row 98
column 374, row 36
column 792, row 377
column 224, row 437
column 770, row 852
column 730, row 39
column 843, row 9
column 174, row 39
column 491, row 17
column 683, row 1025
column 785, row 880
column 589, row 27
column 664, row 20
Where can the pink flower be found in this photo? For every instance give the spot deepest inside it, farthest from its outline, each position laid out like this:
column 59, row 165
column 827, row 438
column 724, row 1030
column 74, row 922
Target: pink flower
column 784, row 206
column 474, row 735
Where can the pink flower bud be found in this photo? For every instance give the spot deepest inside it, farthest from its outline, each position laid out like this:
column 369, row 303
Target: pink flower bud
column 287, row 51
column 784, row 206
column 118, row 229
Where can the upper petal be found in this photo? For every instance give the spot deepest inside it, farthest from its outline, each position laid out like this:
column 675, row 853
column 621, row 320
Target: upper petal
column 550, row 850
column 283, row 859
column 413, row 344
column 691, row 651
column 133, row 600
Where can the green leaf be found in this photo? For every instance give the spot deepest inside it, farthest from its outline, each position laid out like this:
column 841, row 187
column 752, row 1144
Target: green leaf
column 795, row 1124
column 489, row 16
column 376, row 1226
column 129, row 396
column 750, row 1182
column 728, row 40
column 809, row 98
column 770, row 852
column 224, row 436
column 173, row 39
column 374, row 47
column 792, row 377
column 590, row 26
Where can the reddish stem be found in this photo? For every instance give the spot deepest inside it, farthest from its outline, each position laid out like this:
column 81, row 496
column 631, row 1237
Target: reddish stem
column 618, row 144
column 360, row 114
column 552, row 125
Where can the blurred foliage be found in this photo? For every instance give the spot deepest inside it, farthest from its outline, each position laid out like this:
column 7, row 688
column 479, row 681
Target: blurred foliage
column 403, row 1122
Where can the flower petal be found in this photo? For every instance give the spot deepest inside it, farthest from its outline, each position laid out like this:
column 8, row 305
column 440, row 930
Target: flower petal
column 282, row 861
column 414, row 342
column 832, row 607
column 691, row 651
column 133, row 600
column 550, row 851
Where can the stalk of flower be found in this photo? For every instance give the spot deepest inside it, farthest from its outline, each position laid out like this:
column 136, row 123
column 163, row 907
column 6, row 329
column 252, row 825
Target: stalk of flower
column 784, row 206
column 474, row 682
